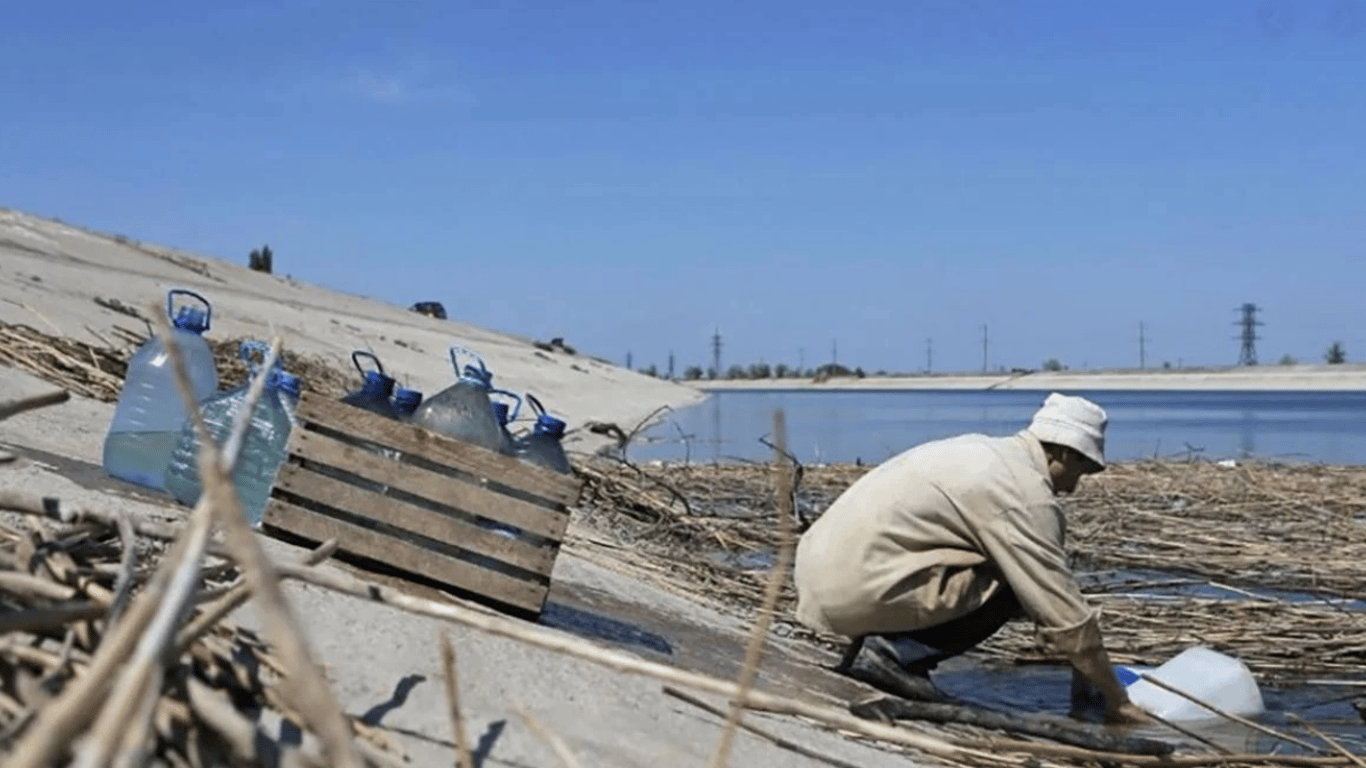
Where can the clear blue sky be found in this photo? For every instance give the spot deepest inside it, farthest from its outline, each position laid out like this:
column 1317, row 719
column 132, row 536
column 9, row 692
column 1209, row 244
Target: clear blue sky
column 632, row 175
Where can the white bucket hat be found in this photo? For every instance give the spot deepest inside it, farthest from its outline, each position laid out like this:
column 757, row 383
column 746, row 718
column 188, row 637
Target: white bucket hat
column 1074, row 422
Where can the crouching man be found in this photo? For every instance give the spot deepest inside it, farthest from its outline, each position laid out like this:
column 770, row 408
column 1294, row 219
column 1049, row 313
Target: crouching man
column 931, row 552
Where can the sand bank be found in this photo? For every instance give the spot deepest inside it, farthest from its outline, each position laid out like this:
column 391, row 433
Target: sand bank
column 1287, row 378
column 61, row 280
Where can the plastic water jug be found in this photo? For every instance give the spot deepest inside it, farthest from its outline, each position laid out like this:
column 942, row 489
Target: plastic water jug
column 464, row 410
column 1204, row 673
column 406, row 401
column 543, row 446
column 263, row 445
column 505, row 415
column 150, row 412
column 374, row 393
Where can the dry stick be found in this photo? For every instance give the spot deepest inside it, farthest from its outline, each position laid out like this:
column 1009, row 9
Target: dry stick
column 15, row 407
column 144, row 669
column 241, row 736
column 556, row 743
column 59, row 722
column 234, row 598
column 1331, row 741
column 778, row 741
column 555, row 641
column 775, row 578
column 41, row 506
column 462, row 745
column 1229, row 715
column 313, row 697
column 52, row 617
column 124, row 584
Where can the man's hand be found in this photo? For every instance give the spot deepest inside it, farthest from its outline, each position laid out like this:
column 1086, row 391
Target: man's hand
column 1127, row 713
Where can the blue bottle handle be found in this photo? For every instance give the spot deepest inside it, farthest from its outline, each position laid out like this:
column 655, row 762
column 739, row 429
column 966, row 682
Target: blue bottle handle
column 481, row 373
column 516, row 409
column 535, row 404
column 362, row 353
column 170, row 301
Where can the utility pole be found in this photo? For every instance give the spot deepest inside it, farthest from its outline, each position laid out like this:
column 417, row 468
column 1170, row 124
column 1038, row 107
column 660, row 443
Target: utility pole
column 1247, row 354
column 628, row 360
column 1142, row 347
column 671, row 365
column 801, row 360
column 716, row 352
column 929, row 355
column 834, row 352
column 984, row 349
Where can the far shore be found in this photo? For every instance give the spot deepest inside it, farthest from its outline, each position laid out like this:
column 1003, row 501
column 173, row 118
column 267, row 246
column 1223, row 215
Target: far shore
column 1288, row 378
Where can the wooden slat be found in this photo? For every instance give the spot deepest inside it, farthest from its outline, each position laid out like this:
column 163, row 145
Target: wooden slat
column 409, row 518
column 458, row 493
column 438, row 449
column 406, row 556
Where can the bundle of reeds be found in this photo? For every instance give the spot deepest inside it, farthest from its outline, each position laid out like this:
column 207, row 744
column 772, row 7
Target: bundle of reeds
column 1137, row 531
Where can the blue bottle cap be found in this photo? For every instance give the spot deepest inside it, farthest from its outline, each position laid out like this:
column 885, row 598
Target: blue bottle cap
column 549, row 425
column 500, row 411
column 407, row 400
column 1126, row 676
column 378, row 385
column 191, row 319
column 288, row 382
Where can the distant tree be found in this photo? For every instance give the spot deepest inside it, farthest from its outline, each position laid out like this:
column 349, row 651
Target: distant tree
column 651, row 370
column 760, row 371
column 1336, row 354
column 1166, row 365
column 735, row 372
column 260, row 259
column 781, row 371
column 1288, row 359
column 711, row 372
column 1052, row 364
column 692, row 373
column 859, row 373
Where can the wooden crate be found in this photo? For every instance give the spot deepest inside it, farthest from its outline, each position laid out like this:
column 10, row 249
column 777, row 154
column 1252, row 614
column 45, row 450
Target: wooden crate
column 424, row 525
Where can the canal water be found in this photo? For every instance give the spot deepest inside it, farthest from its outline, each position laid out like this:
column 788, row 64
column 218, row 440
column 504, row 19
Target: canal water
column 870, row 426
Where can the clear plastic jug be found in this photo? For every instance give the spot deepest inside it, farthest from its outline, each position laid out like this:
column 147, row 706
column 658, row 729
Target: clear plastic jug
column 150, row 412
column 1206, row 674
column 263, row 446
column 291, row 388
column 463, row 410
column 505, row 414
column 543, row 447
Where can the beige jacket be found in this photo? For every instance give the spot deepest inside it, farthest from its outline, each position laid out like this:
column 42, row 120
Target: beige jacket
column 933, row 533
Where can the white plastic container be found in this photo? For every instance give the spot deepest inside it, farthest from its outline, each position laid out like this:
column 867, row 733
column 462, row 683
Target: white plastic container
column 1204, row 673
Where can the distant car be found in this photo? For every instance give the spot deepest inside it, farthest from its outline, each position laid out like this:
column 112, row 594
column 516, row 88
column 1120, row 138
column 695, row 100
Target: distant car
column 430, row 309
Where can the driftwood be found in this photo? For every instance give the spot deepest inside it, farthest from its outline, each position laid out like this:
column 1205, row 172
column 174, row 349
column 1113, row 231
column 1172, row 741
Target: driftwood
column 889, row 709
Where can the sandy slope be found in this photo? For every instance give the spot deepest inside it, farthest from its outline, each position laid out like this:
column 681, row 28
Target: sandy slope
column 52, row 273
column 385, row 664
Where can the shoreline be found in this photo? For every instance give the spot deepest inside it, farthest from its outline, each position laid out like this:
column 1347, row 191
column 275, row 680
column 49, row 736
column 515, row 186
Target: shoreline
column 1303, row 378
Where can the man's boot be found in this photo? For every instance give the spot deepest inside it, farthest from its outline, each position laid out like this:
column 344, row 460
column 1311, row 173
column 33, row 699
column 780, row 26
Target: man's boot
column 873, row 660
